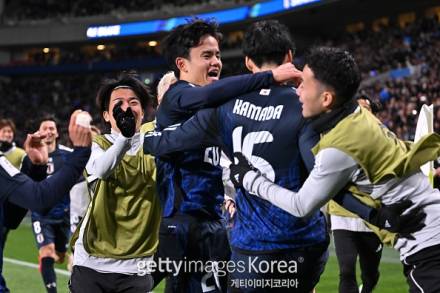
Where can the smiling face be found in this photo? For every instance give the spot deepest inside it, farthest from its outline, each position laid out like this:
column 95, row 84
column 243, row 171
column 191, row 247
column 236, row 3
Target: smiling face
column 128, row 99
column 7, row 134
column 203, row 65
column 49, row 129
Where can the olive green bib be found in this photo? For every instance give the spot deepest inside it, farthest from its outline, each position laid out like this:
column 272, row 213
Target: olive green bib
column 124, row 214
column 16, row 157
column 380, row 155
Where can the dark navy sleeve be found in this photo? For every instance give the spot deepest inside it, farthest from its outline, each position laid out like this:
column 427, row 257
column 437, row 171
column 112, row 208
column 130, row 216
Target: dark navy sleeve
column 35, row 172
column 307, row 140
column 39, row 196
column 351, row 203
column 216, row 93
column 199, row 131
column 8, row 184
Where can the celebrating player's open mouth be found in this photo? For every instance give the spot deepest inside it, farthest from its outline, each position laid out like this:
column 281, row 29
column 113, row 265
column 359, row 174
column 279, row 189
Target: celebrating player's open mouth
column 213, row 75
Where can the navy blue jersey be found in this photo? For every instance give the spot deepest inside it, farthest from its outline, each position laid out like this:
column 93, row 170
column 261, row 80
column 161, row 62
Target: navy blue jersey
column 268, row 128
column 62, row 208
column 191, row 181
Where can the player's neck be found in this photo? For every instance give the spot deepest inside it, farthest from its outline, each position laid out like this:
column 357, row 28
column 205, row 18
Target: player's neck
column 191, row 79
column 51, row 147
column 264, row 67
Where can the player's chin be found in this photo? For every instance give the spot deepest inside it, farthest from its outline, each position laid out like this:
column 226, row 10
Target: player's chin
column 211, row 79
column 305, row 113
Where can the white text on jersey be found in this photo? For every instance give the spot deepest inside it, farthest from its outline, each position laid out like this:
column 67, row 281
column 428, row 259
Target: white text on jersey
column 257, row 113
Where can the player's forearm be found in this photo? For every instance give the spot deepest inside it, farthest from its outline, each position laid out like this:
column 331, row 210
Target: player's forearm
column 197, row 132
column 219, row 92
column 352, row 204
column 102, row 163
column 323, row 183
column 40, row 196
column 278, row 196
column 162, row 143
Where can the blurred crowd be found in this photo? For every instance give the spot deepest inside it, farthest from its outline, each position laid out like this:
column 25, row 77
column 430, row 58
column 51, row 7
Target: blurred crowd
column 89, row 54
column 378, row 52
column 18, row 10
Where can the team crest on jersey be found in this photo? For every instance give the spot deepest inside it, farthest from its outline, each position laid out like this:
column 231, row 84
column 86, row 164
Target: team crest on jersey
column 50, row 167
column 265, row 92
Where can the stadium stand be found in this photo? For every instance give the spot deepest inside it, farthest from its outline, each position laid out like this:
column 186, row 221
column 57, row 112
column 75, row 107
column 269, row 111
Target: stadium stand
column 23, row 10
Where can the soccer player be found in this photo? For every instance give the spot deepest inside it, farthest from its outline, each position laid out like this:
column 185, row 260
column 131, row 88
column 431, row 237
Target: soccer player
column 356, row 149
column 52, row 229
column 15, row 155
column 39, row 196
column 119, row 234
column 190, row 183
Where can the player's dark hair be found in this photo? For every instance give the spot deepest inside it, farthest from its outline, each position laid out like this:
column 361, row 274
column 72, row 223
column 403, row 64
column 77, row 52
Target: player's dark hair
column 336, row 69
column 186, row 36
column 47, row 117
column 267, row 41
column 375, row 106
column 125, row 79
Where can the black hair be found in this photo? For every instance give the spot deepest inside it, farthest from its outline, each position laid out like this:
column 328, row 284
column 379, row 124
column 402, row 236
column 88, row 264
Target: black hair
column 186, row 36
column 47, row 117
column 128, row 79
column 337, row 69
column 375, row 106
column 267, row 41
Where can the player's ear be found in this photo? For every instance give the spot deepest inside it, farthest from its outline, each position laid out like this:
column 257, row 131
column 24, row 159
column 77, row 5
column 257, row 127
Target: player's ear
column 106, row 116
column 288, row 58
column 181, row 64
column 250, row 65
column 328, row 99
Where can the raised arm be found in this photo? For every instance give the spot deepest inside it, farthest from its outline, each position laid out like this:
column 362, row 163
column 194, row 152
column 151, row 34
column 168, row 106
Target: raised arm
column 327, row 178
column 308, row 138
column 332, row 171
column 103, row 162
column 199, row 131
column 39, row 196
column 217, row 93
